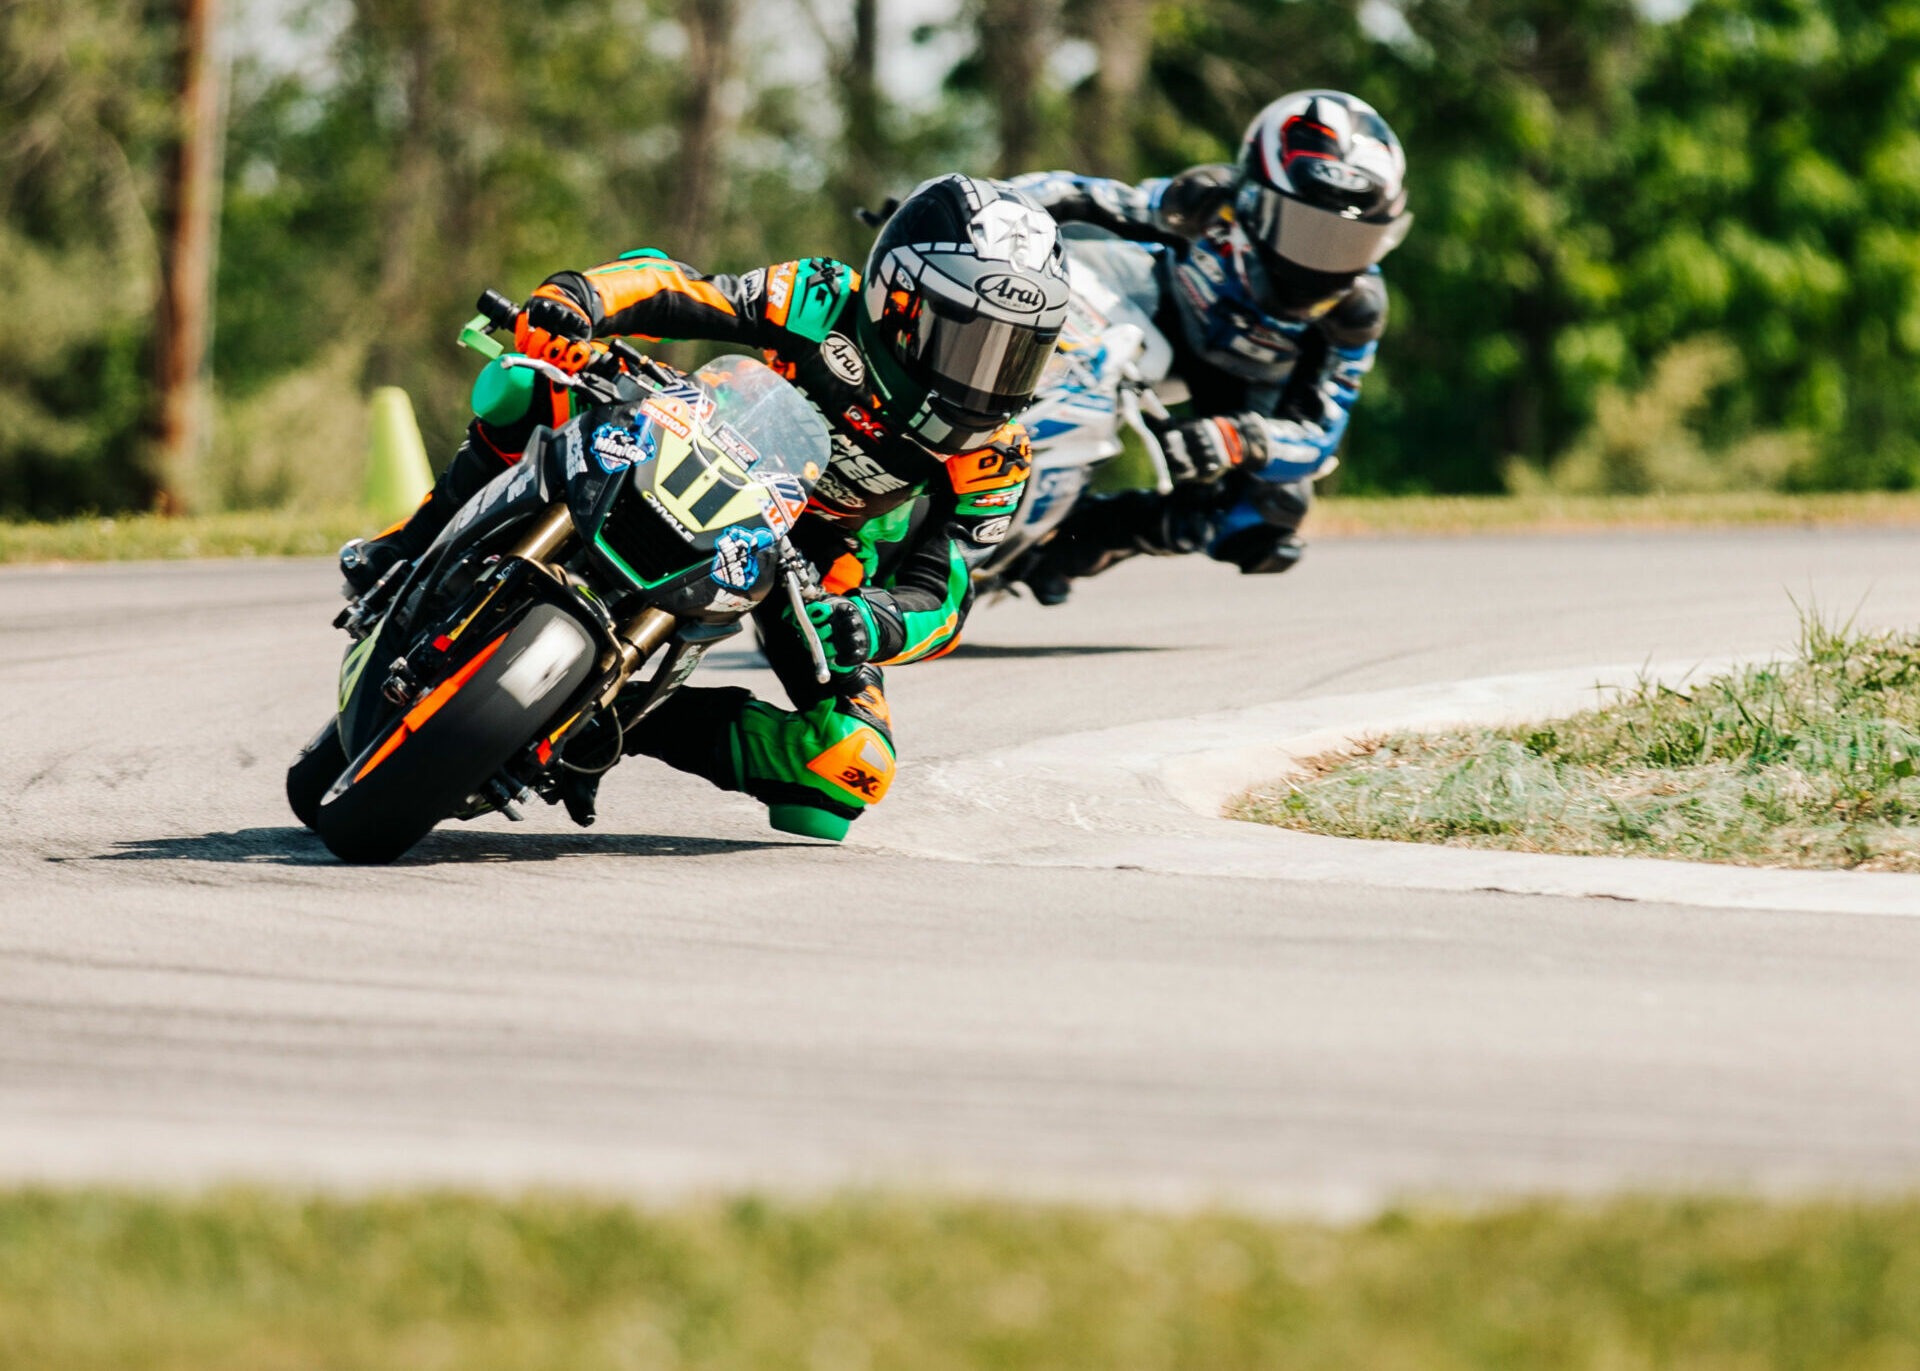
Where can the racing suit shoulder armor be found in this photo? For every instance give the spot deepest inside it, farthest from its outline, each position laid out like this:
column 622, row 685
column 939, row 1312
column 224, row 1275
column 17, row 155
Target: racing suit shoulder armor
column 805, row 296
column 1187, row 203
column 1360, row 316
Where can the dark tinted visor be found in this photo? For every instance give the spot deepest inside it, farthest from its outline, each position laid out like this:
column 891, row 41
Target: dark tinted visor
column 1317, row 239
column 981, row 365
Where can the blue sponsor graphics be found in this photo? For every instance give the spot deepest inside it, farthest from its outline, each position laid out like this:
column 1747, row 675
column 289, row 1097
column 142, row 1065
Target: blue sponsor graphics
column 1041, row 431
column 736, row 563
column 1350, row 366
column 1049, row 486
column 617, row 447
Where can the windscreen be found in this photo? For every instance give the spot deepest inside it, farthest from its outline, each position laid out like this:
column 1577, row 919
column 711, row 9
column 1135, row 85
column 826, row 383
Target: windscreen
column 1113, row 285
column 768, row 415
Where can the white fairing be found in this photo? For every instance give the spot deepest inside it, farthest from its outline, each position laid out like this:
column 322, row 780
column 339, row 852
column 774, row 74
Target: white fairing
column 1075, row 418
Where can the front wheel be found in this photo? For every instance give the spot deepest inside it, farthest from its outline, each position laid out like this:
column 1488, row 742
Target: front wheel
column 314, row 771
column 423, row 766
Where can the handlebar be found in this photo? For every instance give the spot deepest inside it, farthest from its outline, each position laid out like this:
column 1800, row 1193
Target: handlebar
column 496, row 311
column 497, row 308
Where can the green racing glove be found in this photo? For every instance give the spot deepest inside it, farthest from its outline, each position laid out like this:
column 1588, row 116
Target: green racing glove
column 848, row 632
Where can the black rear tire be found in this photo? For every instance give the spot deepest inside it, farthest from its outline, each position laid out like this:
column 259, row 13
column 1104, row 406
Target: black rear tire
column 314, row 771
column 376, row 811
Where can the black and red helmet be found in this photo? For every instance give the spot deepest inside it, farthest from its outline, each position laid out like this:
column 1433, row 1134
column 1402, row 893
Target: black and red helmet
column 964, row 295
column 1322, row 185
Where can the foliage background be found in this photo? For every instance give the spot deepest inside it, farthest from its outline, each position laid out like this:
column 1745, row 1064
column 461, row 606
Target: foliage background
column 1671, row 254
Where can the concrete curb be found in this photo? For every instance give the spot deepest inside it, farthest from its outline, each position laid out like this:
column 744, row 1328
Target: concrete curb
column 1149, row 797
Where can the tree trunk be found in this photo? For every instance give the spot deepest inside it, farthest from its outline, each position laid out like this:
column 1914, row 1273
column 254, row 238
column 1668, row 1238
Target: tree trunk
column 412, row 202
column 861, row 150
column 1014, row 36
column 190, row 198
column 1122, row 36
column 706, row 127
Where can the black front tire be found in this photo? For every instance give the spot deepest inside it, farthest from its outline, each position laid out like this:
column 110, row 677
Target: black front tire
column 374, row 812
column 314, row 771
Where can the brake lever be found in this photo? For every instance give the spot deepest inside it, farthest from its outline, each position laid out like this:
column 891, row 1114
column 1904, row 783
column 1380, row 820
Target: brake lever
column 547, row 369
column 1132, row 402
column 790, row 566
column 599, row 388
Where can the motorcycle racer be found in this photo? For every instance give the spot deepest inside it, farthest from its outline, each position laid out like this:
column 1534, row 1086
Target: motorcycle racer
column 1272, row 297
column 918, row 367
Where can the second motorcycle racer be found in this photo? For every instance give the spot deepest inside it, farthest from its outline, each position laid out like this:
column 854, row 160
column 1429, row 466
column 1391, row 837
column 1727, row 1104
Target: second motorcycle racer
column 1272, row 296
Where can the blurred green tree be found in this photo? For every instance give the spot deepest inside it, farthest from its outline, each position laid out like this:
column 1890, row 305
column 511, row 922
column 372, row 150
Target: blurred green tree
column 83, row 86
column 1733, row 196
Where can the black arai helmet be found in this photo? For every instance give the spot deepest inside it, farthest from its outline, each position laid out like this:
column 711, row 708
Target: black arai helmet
column 964, row 295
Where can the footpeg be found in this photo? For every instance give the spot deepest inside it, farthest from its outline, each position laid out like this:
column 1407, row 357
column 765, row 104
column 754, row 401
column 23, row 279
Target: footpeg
column 506, row 798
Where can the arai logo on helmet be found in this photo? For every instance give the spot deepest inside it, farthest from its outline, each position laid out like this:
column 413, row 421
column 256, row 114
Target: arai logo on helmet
column 843, row 359
column 1008, row 231
column 1012, row 293
column 1339, row 176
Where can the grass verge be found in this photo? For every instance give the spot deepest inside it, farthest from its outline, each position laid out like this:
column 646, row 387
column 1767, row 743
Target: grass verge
column 145, row 537
column 1362, row 515
column 300, row 533
column 246, row 1281
column 1808, row 762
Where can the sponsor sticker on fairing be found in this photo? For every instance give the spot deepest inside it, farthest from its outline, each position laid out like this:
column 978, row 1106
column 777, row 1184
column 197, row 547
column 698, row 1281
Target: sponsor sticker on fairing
column 736, row 564
column 671, row 413
column 616, row 447
column 786, row 498
column 730, row 442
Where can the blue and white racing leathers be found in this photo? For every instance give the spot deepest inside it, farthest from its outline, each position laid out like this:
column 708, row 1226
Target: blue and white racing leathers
column 1284, row 380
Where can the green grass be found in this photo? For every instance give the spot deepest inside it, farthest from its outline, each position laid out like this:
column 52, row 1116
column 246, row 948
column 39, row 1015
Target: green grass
column 1808, row 762
column 143, row 537
column 300, row 533
column 1363, row 515
column 246, row 1281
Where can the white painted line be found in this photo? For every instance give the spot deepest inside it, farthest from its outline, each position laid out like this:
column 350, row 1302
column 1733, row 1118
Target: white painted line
column 1149, row 797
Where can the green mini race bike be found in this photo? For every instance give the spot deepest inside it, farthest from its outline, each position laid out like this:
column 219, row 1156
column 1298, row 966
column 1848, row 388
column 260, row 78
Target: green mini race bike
column 641, row 530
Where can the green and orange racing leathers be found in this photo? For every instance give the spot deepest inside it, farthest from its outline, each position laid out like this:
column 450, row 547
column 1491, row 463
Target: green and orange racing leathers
column 890, row 522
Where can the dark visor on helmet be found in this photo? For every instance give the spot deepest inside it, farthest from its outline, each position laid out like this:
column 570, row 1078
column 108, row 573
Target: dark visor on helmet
column 978, row 365
column 1317, row 239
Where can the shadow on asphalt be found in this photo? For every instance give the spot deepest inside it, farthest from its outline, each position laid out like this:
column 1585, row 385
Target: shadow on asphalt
column 297, row 847
column 987, row 652
column 741, row 661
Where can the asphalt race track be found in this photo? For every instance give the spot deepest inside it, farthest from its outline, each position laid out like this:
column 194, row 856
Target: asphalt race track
column 192, row 989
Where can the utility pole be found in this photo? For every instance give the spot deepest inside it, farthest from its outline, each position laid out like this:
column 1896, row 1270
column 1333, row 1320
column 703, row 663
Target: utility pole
column 191, row 197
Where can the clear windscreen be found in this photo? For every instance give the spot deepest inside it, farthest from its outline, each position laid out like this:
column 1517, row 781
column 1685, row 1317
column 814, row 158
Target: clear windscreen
column 1116, row 276
column 1113, row 285
column 769, row 415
